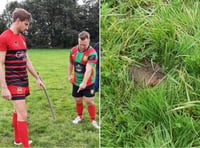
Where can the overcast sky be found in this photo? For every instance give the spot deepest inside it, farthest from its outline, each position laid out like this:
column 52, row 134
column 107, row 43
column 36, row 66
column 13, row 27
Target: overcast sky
column 4, row 2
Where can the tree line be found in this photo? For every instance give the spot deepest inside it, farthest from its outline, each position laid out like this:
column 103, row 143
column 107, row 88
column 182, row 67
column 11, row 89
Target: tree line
column 56, row 23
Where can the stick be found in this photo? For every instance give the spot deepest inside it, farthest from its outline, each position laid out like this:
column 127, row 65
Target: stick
column 49, row 101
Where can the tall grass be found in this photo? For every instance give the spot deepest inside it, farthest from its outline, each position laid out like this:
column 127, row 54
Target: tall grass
column 158, row 31
column 43, row 130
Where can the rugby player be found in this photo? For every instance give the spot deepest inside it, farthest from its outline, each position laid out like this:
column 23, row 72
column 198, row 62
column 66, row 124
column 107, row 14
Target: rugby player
column 83, row 59
column 14, row 63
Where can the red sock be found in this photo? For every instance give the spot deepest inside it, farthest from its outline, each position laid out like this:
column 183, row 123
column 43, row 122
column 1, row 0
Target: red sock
column 92, row 111
column 79, row 109
column 14, row 123
column 22, row 128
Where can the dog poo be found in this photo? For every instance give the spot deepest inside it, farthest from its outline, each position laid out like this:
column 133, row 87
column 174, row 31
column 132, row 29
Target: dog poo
column 147, row 75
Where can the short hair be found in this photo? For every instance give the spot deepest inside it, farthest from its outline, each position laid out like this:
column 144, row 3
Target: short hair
column 22, row 14
column 84, row 35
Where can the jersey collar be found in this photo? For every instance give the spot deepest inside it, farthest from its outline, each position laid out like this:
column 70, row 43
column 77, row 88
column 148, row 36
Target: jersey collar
column 84, row 50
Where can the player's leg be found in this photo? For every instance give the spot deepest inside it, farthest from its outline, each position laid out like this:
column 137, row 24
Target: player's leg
column 20, row 114
column 20, row 108
column 92, row 110
column 89, row 99
column 79, row 104
column 96, row 84
column 17, row 139
column 91, row 107
column 15, row 129
column 79, row 110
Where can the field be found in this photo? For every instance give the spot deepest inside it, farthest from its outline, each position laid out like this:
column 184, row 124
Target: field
column 43, row 130
column 165, row 32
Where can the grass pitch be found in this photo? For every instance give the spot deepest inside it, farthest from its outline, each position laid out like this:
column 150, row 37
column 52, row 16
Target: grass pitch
column 52, row 65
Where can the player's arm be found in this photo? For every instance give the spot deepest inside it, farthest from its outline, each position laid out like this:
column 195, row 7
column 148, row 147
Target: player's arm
column 87, row 74
column 92, row 59
column 31, row 69
column 70, row 71
column 70, row 68
column 4, row 91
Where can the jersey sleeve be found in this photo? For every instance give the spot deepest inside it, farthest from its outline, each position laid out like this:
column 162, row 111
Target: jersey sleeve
column 70, row 57
column 92, row 58
column 3, row 45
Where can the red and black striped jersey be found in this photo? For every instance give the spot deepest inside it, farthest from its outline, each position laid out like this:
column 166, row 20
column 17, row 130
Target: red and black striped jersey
column 79, row 60
column 16, row 59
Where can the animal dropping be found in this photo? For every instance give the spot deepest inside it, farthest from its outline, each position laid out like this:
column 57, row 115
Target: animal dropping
column 147, row 75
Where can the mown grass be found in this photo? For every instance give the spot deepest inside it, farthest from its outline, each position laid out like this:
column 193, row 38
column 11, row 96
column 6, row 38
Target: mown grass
column 158, row 31
column 52, row 66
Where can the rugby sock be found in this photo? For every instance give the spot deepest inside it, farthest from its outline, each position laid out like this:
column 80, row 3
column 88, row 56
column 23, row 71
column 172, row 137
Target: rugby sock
column 92, row 111
column 14, row 123
column 22, row 128
column 79, row 109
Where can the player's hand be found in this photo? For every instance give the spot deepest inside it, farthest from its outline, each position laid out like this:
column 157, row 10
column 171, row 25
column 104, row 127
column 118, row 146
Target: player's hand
column 6, row 94
column 81, row 87
column 70, row 78
column 40, row 84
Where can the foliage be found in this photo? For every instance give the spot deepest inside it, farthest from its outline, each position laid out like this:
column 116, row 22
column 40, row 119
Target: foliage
column 57, row 23
column 158, row 31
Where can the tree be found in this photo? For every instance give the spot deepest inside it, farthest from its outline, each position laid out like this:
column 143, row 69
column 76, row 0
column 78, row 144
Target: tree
column 56, row 23
column 2, row 24
column 89, row 18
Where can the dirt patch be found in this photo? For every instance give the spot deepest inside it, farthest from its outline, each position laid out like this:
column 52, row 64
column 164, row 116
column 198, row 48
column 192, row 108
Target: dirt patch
column 147, row 75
